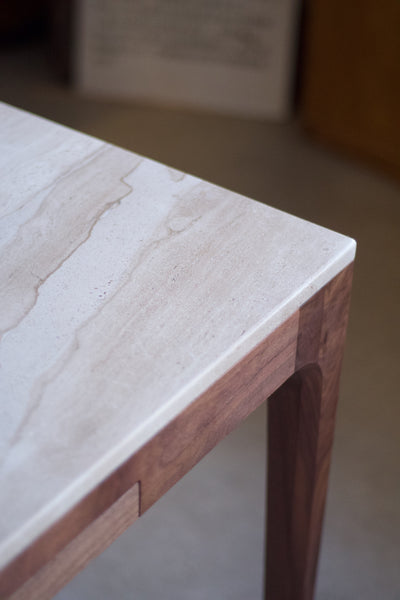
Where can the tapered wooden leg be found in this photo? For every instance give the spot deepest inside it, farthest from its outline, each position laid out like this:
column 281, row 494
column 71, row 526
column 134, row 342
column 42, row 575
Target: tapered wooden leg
column 301, row 417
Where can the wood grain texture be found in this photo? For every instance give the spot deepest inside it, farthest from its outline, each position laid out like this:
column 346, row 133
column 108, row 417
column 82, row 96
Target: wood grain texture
column 86, row 546
column 178, row 447
column 351, row 98
column 301, row 419
column 41, row 552
column 129, row 290
column 174, row 450
column 305, row 353
column 144, row 314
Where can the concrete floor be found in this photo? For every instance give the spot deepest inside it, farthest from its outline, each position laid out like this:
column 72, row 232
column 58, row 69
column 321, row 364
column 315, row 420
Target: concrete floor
column 204, row 539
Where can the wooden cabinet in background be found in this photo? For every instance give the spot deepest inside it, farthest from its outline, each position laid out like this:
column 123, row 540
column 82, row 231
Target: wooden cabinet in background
column 351, row 77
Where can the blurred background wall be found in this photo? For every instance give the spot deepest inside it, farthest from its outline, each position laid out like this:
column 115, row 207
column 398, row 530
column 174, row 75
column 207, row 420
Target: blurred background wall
column 332, row 157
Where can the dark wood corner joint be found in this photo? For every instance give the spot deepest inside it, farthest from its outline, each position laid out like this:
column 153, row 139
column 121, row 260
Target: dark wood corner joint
column 301, row 420
column 298, row 368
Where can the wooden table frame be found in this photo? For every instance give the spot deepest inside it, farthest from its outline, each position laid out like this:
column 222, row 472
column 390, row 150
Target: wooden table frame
column 298, row 368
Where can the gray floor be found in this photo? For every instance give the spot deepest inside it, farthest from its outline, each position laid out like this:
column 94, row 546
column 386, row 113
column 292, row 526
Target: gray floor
column 204, row 539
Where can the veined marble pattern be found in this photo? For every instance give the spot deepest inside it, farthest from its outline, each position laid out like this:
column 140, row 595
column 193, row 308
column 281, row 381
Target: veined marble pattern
column 127, row 289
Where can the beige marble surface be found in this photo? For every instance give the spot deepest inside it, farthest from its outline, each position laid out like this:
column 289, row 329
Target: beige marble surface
column 127, row 288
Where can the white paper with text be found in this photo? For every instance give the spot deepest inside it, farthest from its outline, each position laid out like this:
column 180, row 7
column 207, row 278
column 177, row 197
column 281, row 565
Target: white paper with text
column 233, row 56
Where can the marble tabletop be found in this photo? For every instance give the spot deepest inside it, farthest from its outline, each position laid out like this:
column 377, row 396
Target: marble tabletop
column 127, row 289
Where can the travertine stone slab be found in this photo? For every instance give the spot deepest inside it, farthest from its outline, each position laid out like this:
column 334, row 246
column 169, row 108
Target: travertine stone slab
column 126, row 289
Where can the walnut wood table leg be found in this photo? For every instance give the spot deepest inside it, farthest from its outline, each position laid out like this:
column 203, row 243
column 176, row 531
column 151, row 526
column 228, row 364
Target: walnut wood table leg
column 301, row 418
column 145, row 314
